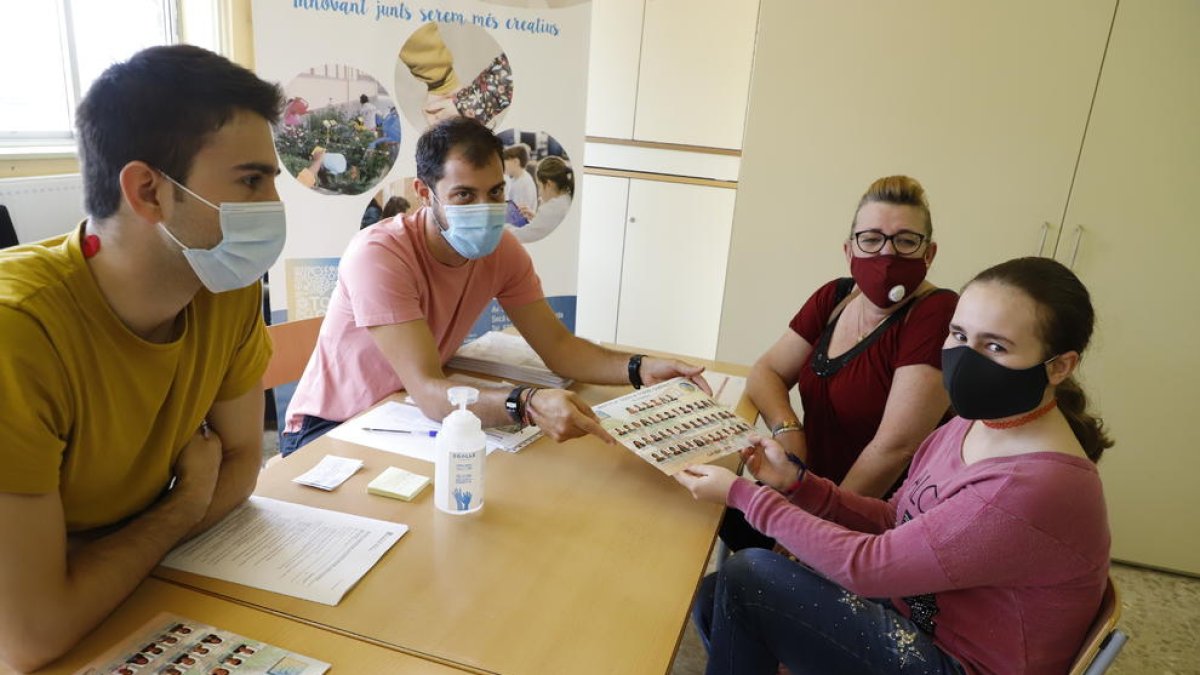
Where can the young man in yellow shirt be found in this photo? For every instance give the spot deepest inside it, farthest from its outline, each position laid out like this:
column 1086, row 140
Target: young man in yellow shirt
column 132, row 348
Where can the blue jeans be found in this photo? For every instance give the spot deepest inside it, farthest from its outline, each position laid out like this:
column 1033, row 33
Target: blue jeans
column 311, row 428
column 762, row 609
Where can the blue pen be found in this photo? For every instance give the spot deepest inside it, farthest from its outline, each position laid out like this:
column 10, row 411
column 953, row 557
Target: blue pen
column 431, row 434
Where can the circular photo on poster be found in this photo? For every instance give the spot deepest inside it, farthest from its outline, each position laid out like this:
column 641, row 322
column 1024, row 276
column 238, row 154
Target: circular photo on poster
column 448, row 70
column 340, row 132
column 540, row 182
column 394, row 200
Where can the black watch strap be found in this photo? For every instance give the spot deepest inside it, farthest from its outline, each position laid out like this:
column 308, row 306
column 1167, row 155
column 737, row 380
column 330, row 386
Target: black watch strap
column 635, row 370
column 512, row 405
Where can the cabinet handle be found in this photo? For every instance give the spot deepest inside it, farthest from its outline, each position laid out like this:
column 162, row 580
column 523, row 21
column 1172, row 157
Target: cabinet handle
column 632, row 219
column 1075, row 251
column 1042, row 243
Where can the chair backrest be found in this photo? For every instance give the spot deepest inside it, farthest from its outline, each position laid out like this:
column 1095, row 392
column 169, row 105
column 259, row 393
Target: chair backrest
column 1105, row 624
column 8, row 232
column 294, row 344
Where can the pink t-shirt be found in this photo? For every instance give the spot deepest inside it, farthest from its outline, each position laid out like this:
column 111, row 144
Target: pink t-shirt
column 1003, row 561
column 388, row 276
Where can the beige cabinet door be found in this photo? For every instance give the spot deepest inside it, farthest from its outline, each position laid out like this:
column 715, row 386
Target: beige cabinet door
column 673, row 269
column 613, row 57
column 984, row 103
column 695, row 71
column 1135, row 200
column 601, row 245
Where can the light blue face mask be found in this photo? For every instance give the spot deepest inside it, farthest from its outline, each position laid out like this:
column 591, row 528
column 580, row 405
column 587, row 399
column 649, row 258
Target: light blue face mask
column 474, row 230
column 252, row 237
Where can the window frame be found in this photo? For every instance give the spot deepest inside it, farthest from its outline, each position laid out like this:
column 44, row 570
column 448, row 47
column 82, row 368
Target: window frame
column 18, row 144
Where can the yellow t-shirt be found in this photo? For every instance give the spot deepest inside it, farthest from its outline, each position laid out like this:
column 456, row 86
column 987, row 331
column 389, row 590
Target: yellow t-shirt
column 89, row 408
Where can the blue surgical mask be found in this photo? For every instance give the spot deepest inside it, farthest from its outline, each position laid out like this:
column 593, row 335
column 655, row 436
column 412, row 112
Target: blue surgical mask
column 474, row 230
column 252, row 237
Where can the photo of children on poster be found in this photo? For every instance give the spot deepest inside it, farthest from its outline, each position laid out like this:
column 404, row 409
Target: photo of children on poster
column 673, row 425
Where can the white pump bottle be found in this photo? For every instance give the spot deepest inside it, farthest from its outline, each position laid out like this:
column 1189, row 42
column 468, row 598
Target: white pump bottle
column 461, row 451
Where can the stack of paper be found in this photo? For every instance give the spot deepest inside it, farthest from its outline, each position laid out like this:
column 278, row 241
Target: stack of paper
column 508, row 356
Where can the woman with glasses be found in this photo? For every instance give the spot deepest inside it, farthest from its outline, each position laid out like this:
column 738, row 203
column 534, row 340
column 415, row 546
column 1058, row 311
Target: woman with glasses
column 866, row 353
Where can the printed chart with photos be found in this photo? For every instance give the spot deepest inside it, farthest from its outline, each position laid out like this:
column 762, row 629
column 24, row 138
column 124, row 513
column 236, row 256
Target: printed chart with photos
column 171, row 645
column 674, row 425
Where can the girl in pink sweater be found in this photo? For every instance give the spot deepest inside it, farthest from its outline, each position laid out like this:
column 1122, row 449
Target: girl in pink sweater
column 993, row 555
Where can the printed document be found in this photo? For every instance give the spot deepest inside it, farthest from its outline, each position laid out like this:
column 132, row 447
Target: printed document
column 288, row 548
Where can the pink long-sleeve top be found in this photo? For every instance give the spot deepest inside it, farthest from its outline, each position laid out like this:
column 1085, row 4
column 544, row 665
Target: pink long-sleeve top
column 1004, row 560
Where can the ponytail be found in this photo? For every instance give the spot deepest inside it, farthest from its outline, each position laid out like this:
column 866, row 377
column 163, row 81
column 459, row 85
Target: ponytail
column 1089, row 430
column 554, row 170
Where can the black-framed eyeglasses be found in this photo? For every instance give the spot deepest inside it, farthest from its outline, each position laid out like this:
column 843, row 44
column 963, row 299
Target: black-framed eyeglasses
column 873, row 241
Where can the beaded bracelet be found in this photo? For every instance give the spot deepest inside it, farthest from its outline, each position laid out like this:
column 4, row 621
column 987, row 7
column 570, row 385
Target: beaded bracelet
column 527, row 408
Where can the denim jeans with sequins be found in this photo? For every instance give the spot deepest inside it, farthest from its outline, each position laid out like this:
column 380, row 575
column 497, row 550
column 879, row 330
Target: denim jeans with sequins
column 762, row 609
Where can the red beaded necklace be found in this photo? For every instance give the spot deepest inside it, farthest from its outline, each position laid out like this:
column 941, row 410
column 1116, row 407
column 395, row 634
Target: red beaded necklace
column 1023, row 419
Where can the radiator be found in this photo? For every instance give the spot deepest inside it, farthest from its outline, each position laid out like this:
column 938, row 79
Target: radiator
column 43, row 206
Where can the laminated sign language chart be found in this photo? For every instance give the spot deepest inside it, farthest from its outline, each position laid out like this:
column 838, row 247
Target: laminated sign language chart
column 674, row 425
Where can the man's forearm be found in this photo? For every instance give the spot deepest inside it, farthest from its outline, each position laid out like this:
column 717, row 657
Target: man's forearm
column 235, row 482
column 99, row 575
column 432, row 399
column 586, row 361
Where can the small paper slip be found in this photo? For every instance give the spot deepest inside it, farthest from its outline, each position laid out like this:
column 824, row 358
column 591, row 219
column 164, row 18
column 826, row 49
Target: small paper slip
column 169, row 644
column 329, row 473
column 398, row 484
column 288, row 548
column 673, row 425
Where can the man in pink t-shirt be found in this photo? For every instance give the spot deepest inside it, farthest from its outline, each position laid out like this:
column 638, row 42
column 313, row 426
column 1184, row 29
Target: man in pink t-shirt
column 409, row 290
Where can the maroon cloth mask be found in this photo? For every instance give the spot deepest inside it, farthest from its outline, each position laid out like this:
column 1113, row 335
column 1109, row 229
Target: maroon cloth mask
column 887, row 279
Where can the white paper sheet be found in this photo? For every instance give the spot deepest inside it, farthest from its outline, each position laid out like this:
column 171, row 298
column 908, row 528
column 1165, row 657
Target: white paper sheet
column 329, row 473
column 288, row 548
column 395, row 415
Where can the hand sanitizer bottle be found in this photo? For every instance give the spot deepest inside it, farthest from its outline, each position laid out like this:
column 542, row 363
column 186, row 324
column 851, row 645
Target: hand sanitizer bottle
column 461, row 451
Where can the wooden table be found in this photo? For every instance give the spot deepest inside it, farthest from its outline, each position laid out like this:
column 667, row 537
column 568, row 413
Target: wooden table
column 584, row 559
column 347, row 655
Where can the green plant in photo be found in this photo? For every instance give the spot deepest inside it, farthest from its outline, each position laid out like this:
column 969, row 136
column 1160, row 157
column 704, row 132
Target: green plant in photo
column 327, row 129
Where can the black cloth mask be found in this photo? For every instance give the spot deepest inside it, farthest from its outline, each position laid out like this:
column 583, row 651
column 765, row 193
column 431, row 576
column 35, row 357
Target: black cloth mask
column 981, row 389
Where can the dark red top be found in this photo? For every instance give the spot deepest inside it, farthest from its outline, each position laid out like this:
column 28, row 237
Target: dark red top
column 842, row 411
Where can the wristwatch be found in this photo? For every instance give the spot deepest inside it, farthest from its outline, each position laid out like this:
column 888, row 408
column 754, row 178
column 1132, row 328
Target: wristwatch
column 635, row 370
column 512, row 405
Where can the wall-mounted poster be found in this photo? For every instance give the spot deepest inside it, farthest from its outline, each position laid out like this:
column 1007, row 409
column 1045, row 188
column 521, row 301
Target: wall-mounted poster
column 364, row 78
